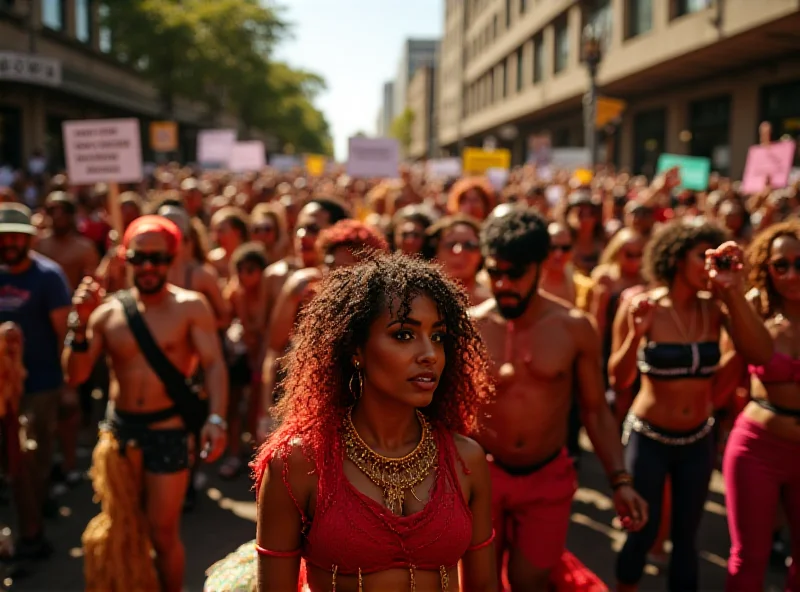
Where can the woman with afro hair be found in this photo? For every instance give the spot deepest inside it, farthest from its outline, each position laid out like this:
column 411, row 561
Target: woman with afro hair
column 760, row 465
column 366, row 483
column 671, row 334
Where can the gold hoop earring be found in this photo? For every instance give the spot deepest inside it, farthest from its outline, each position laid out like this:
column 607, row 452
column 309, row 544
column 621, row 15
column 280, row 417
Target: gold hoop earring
column 357, row 395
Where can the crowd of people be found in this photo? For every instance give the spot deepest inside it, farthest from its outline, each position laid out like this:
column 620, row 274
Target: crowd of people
column 412, row 360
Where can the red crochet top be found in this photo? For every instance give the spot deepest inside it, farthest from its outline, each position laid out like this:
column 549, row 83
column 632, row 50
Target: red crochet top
column 354, row 532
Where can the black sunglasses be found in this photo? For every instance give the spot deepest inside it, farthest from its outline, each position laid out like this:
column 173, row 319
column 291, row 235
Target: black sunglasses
column 155, row 258
column 781, row 266
column 466, row 245
column 563, row 248
column 514, row 272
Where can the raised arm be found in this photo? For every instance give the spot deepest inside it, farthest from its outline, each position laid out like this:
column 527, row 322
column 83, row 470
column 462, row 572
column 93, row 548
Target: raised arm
column 631, row 323
column 85, row 338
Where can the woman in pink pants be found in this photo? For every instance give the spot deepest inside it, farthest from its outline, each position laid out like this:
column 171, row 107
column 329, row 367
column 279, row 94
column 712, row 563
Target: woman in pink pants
column 762, row 458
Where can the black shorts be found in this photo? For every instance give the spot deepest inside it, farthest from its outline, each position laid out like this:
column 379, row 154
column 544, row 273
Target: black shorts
column 163, row 451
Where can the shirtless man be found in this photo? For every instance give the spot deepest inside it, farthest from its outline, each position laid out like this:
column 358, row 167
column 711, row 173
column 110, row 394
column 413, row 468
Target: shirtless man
column 230, row 229
column 539, row 344
column 76, row 254
column 141, row 413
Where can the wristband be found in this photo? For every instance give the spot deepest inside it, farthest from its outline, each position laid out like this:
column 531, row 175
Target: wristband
column 620, row 479
column 78, row 344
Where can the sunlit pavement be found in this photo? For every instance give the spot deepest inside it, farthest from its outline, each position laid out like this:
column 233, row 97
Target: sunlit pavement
column 225, row 515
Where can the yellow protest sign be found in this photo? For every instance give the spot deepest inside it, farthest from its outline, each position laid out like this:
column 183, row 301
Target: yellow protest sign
column 315, row 164
column 478, row 161
column 164, row 136
column 582, row 177
column 608, row 110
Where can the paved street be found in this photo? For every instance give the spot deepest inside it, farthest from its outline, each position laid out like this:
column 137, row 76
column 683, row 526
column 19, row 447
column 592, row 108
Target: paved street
column 225, row 517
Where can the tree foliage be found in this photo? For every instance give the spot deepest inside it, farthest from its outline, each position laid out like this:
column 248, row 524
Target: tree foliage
column 402, row 127
column 219, row 52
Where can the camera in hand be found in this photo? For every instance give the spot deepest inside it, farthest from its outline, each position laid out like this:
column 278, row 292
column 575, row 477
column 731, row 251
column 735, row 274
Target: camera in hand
column 724, row 262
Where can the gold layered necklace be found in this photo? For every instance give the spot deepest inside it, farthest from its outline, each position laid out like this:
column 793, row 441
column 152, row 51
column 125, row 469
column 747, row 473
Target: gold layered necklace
column 394, row 476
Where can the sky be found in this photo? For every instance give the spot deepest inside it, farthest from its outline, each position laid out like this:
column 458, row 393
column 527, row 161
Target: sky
column 355, row 45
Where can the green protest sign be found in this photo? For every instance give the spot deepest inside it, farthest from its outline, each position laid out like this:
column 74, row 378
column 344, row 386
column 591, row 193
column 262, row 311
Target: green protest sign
column 694, row 170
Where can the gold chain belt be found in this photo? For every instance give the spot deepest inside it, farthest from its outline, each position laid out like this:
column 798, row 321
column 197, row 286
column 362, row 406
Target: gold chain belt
column 635, row 424
column 444, row 578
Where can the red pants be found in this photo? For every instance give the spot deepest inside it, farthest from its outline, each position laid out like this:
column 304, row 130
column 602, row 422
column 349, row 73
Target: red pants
column 761, row 470
column 531, row 512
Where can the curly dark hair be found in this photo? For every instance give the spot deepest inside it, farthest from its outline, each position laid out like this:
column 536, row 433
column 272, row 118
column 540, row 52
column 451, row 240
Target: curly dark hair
column 434, row 233
column 758, row 263
column 520, row 237
column 671, row 244
column 337, row 321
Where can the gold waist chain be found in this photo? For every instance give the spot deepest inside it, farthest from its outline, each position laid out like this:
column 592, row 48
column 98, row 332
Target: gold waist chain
column 443, row 577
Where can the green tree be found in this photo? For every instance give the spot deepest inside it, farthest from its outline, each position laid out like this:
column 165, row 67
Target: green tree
column 219, row 52
column 402, row 126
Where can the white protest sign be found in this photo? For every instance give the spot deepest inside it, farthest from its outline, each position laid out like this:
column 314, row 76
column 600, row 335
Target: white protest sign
column 571, row 158
column 103, row 151
column 215, row 146
column 444, row 168
column 373, row 157
column 246, row 157
column 497, row 178
column 284, row 162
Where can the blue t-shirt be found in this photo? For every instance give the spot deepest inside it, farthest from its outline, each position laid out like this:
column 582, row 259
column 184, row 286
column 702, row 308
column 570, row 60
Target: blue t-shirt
column 27, row 299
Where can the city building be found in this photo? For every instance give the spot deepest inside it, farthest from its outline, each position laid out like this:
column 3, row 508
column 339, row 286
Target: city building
column 421, row 100
column 387, row 113
column 56, row 64
column 416, row 53
column 696, row 76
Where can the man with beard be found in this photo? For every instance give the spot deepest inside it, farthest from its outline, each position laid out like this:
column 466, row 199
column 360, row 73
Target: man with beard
column 78, row 257
column 76, row 254
column 35, row 296
column 539, row 344
column 143, row 417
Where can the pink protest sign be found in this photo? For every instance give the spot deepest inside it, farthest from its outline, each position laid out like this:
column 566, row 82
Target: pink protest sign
column 770, row 161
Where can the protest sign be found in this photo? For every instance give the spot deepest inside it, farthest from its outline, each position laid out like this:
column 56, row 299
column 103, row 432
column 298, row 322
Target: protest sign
column 444, row 168
column 315, row 164
column 247, row 157
column 768, row 162
column 284, row 162
column 694, row 170
column 164, row 136
column 498, row 178
column 477, row 161
column 214, row 146
column 373, row 157
column 103, row 151
column 571, row 158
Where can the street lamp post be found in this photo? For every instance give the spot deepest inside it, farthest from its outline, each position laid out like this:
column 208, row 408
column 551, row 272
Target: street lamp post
column 592, row 54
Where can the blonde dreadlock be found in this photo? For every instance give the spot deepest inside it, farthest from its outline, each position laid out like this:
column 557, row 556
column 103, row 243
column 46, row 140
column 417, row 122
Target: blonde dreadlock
column 116, row 544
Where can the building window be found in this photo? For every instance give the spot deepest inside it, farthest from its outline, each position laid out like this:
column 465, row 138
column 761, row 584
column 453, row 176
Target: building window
column 504, row 88
column 494, row 27
column 683, row 7
column 105, row 40
column 523, row 6
column 538, row 58
column 601, row 18
column 780, row 105
column 562, row 47
column 649, row 133
column 710, row 124
column 640, row 17
column 6, row 4
column 520, row 71
column 508, row 14
column 53, row 14
column 83, row 20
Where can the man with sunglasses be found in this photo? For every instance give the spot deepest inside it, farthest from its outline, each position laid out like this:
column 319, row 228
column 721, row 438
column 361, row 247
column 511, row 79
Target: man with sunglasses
column 539, row 344
column 33, row 294
column 144, row 420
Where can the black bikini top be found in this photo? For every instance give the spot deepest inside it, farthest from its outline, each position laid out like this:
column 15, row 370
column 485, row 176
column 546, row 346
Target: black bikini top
column 668, row 361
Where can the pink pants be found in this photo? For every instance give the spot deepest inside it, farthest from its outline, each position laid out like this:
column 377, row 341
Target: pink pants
column 760, row 471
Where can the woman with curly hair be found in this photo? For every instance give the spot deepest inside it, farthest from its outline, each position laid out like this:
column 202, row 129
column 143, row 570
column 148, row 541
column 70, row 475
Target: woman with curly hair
column 760, row 465
column 671, row 334
column 366, row 484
